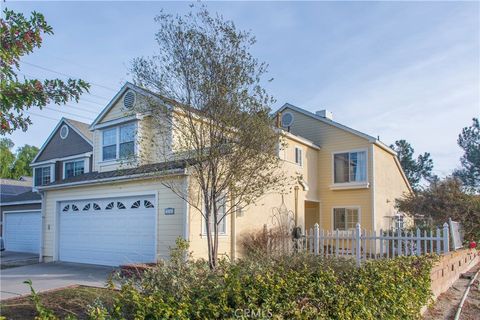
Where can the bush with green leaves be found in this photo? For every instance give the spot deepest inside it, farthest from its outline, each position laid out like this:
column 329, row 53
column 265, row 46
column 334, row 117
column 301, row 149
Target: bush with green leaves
column 297, row 286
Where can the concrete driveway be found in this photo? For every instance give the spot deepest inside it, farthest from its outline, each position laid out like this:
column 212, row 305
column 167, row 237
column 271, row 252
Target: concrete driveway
column 10, row 259
column 48, row 276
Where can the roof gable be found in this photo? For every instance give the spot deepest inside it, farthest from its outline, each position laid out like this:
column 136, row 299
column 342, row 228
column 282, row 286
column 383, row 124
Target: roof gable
column 127, row 86
column 78, row 141
column 365, row 136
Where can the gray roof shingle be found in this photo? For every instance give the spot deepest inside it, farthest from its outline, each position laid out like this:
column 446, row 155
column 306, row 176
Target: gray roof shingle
column 147, row 169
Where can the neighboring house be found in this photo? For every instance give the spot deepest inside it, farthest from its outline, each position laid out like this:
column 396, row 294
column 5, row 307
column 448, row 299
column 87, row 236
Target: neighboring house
column 66, row 153
column 119, row 211
column 18, row 208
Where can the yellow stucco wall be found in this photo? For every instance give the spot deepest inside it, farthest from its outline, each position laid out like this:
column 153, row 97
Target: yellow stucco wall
column 331, row 140
column 390, row 185
column 169, row 226
column 263, row 211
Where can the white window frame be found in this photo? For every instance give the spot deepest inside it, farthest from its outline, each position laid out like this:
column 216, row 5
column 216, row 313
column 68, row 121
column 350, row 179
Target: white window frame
column 204, row 223
column 346, row 207
column 52, row 174
column 86, row 165
column 299, row 151
column 117, row 142
column 351, row 184
column 399, row 220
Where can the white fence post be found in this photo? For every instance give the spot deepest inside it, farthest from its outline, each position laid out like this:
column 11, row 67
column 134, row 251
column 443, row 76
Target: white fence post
column 446, row 242
column 419, row 243
column 316, row 239
column 358, row 247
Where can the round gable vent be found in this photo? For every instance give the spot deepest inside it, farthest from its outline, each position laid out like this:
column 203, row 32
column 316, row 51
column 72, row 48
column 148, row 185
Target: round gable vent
column 129, row 99
column 287, row 119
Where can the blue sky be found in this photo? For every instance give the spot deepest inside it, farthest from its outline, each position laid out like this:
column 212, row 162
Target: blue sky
column 394, row 69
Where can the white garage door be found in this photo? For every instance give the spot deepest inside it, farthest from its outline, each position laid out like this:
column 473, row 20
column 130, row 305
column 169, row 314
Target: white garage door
column 22, row 231
column 109, row 231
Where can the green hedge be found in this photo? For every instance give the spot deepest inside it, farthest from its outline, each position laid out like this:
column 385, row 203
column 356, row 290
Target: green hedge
column 298, row 286
column 288, row 287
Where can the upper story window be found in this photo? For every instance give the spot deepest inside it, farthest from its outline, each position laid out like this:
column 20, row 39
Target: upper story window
column 118, row 142
column 298, row 156
column 350, row 167
column 74, row 168
column 43, row 175
column 109, row 144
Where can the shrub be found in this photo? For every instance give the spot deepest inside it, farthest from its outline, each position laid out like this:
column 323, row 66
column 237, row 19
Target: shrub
column 299, row 286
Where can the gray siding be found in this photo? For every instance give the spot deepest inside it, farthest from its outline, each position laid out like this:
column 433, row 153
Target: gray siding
column 58, row 148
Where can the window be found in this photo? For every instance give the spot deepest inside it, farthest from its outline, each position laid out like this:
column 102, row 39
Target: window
column 298, row 156
column 66, row 208
column 74, row 168
column 96, row 207
column 110, row 144
column 127, row 140
column 42, row 176
column 345, row 218
column 350, row 167
column 222, row 226
column 120, row 205
column 74, row 207
column 136, row 204
column 110, row 206
column 148, row 204
column 399, row 222
column 87, row 207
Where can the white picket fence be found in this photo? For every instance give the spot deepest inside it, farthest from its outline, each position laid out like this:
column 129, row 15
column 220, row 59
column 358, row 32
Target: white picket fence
column 362, row 244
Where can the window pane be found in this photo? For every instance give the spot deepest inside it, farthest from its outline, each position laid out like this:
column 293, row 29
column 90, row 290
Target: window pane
column 45, row 175
column 109, row 152
column 110, row 137
column 341, row 168
column 358, row 166
column 222, row 226
column 352, row 218
column 38, row 176
column 68, row 169
column 79, row 167
column 127, row 133
column 127, row 149
column 339, row 219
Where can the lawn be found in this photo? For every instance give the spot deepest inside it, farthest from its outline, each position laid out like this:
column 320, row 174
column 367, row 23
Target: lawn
column 67, row 301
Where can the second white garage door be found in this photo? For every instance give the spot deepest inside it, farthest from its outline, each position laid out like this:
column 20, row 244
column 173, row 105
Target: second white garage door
column 22, row 231
column 108, row 231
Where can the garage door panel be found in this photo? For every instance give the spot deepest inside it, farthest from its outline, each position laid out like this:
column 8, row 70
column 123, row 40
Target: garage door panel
column 110, row 236
column 22, row 231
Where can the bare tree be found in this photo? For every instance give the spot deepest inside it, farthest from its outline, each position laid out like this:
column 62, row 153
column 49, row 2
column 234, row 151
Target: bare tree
column 215, row 116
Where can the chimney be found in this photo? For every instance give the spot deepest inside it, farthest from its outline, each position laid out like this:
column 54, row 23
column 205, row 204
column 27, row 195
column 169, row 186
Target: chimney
column 325, row 114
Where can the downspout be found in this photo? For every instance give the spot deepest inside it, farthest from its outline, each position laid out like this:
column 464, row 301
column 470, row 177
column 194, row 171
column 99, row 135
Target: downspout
column 186, row 216
column 372, row 190
column 42, row 227
column 233, row 235
column 296, row 206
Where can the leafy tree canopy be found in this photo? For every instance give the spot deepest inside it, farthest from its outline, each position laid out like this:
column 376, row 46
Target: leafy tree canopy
column 445, row 199
column 415, row 169
column 20, row 36
column 13, row 166
column 469, row 141
column 225, row 133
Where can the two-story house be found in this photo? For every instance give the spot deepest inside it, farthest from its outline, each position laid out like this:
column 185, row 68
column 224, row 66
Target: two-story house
column 118, row 209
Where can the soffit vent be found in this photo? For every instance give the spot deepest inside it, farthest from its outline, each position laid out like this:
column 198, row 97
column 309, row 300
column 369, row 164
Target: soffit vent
column 64, row 132
column 129, row 99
